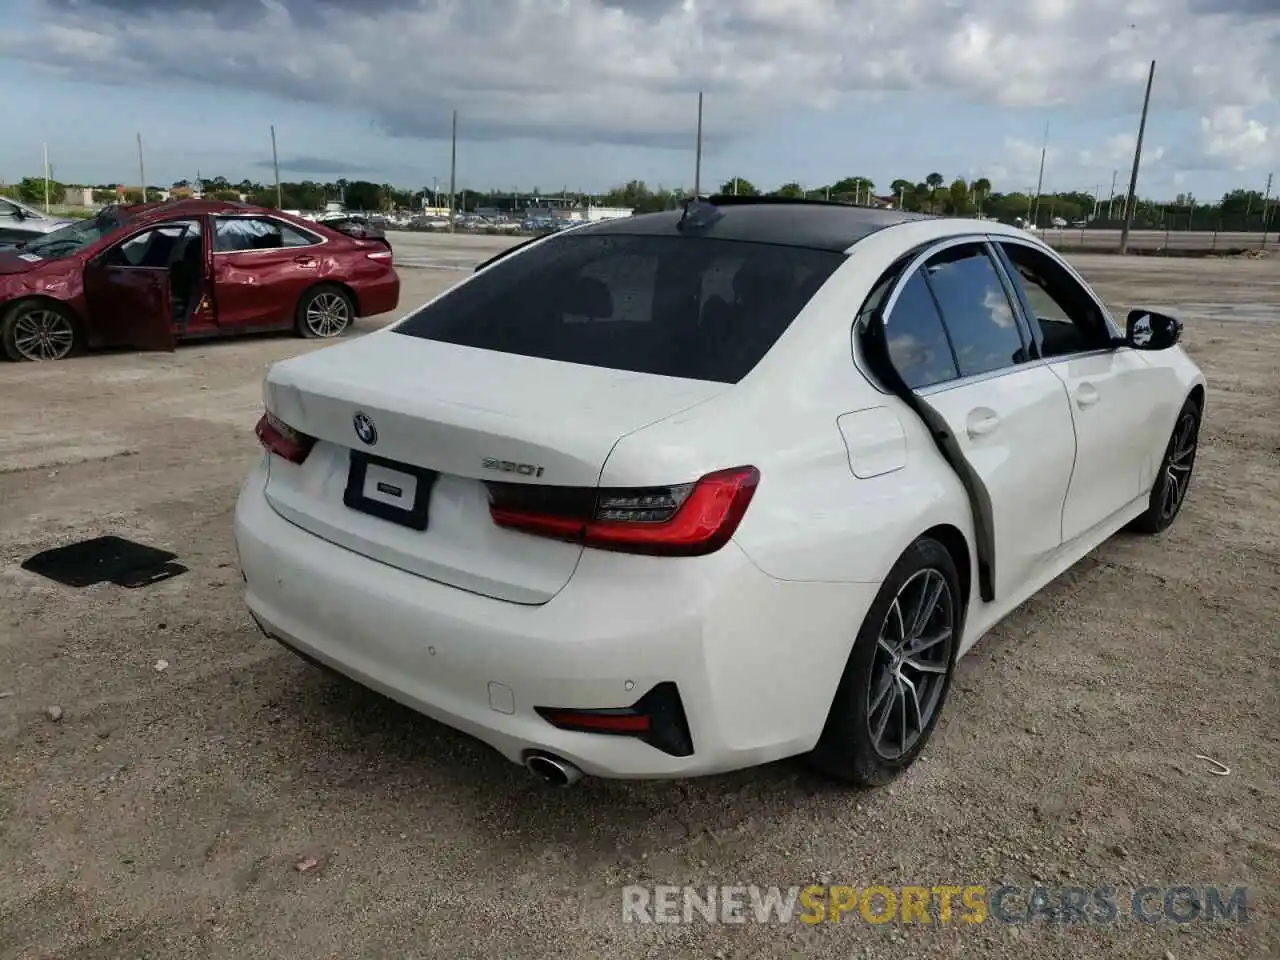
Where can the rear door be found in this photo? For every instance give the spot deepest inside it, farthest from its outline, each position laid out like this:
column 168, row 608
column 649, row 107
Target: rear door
column 957, row 345
column 261, row 266
column 1111, row 387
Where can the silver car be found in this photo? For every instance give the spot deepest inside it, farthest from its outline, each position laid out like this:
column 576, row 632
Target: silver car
column 19, row 222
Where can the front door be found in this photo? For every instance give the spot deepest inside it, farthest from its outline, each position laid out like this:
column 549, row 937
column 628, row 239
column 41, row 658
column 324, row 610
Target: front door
column 261, row 267
column 147, row 288
column 1002, row 418
column 1109, row 386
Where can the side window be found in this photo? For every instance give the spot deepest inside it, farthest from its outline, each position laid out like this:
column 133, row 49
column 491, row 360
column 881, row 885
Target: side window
column 238, row 234
column 152, row 248
column 976, row 310
column 1069, row 320
column 916, row 339
column 8, row 210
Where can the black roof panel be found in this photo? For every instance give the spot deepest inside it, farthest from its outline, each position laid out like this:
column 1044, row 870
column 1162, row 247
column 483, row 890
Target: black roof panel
column 796, row 223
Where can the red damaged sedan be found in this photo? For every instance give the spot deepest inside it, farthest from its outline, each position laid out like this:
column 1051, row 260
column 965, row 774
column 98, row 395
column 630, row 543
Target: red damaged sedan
column 150, row 276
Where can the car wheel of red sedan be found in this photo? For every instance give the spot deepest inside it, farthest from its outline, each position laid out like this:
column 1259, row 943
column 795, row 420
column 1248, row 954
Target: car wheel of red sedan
column 39, row 330
column 324, row 312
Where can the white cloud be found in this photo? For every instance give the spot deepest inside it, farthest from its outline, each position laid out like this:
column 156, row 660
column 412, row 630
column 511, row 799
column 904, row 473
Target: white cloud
column 624, row 71
column 1230, row 137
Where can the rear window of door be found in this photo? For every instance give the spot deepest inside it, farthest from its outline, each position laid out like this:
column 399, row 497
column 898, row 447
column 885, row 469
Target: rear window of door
column 976, row 309
column 239, row 234
column 689, row 307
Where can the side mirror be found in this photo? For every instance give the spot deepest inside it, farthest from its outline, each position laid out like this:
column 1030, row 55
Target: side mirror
column 1148, row 330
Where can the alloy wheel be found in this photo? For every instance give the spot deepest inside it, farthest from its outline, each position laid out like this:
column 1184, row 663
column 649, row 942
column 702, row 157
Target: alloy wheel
column 912, row 659
column 1177, row 470
column 328, row 314
column 42, row 334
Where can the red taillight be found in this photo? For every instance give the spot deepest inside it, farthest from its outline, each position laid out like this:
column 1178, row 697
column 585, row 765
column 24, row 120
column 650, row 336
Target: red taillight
column 282, row 440
column 688, row 520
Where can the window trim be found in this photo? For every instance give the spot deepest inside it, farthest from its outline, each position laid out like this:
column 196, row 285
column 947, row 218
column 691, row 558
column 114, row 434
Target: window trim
column 891, row 301
column 213, row 234
column 117, row 244
column 1020, row 295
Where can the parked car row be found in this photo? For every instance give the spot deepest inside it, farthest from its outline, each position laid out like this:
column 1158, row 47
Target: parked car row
column 151, row 275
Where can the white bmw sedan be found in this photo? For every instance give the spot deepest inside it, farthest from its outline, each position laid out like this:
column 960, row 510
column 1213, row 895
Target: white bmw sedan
column 693, row 491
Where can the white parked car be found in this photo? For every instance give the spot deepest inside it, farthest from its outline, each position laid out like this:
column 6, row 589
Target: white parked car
column 20, row 223
column 689, row 492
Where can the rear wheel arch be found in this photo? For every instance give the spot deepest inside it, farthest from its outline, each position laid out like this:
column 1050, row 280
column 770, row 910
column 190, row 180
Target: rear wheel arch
column 1196, row 396
column 341, row 285
column 955, row 543
column 324, row 286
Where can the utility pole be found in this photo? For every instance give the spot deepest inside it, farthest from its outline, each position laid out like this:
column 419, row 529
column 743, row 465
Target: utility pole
column 1132, row 201
column 1097, row 192
column 275, row 163
column 697, row 160
column 453, row 171
column 1040, row 183
column 1266, row 204
column 1111, row 199
column 142, row 173
column 46, row 178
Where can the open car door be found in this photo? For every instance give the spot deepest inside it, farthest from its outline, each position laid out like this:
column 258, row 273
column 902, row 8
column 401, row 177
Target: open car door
column 127, row 288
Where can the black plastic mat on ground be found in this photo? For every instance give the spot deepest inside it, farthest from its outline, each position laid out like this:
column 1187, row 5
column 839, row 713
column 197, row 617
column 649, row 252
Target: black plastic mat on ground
column 105, row 560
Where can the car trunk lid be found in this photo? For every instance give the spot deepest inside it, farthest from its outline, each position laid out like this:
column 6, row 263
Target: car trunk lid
column 467, row 415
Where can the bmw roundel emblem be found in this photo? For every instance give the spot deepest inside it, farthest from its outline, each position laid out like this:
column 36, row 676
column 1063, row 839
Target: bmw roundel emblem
column 365, row 429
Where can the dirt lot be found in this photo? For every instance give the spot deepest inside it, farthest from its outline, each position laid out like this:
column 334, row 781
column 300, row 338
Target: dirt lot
column 165, row 813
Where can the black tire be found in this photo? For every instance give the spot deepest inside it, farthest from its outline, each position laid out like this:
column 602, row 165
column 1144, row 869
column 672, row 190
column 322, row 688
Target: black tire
column 324, row 312
column 848, row 749
column 63, row 334
column 1169, row 492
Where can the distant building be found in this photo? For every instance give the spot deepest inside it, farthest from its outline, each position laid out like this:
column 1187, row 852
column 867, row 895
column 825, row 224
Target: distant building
column 78, row 197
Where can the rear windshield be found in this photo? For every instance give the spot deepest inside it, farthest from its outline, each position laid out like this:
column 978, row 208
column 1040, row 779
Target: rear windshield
column 678, row 306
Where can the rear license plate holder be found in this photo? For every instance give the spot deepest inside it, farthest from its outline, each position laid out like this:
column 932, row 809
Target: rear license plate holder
column 396, row 492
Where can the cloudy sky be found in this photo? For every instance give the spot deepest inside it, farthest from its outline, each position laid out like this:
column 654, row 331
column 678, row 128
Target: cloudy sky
column 589, row 93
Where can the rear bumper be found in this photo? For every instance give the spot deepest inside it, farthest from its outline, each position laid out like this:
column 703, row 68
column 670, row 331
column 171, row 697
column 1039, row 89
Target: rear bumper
column 755, row 659
column 379, row 296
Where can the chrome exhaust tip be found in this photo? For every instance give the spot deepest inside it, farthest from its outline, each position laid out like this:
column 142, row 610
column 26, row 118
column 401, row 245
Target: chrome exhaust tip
column 552, row 770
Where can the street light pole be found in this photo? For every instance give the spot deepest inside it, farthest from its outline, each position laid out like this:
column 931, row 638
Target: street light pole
column 275, row 163
column 1044, row 150
column 453, row 171
column 1131, row 201
column 142, row 173
column 697, row 160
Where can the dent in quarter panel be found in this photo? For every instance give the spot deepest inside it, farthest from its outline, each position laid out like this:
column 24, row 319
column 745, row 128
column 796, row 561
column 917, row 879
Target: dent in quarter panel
column 875, row 441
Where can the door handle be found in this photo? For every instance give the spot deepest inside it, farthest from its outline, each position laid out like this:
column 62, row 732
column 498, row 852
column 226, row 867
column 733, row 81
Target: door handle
column 304, row 260
column 1087, row 395
column 982, row 423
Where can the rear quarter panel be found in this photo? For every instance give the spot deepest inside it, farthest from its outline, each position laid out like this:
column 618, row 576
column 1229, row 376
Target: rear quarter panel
column 811, row 519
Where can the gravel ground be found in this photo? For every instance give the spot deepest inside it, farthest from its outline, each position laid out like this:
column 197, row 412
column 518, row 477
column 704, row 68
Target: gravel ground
column 167, row 812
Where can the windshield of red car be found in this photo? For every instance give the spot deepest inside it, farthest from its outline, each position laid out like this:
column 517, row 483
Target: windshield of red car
column 74, row 237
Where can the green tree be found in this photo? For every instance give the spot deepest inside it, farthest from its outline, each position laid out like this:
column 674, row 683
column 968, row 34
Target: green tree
column 792, row 190
column 739, row 187
column 857, row 189
column 981, row 190
column 363, row 195
column 957, row 199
